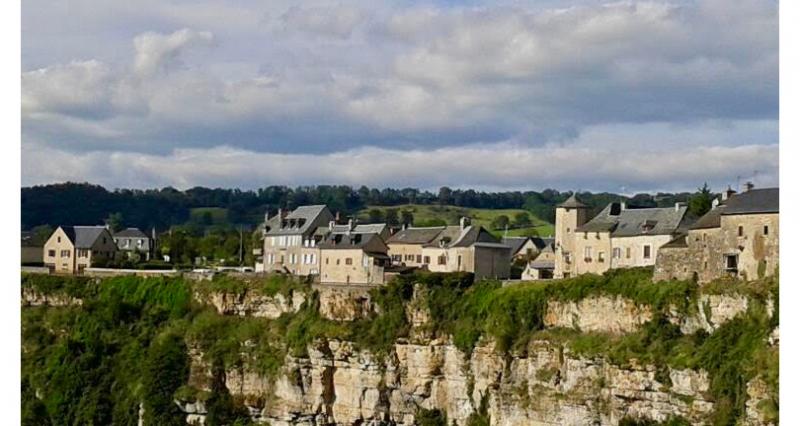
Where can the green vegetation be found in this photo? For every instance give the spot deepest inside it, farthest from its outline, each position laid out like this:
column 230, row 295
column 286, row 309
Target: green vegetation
column 128, row 342
column 524, row 223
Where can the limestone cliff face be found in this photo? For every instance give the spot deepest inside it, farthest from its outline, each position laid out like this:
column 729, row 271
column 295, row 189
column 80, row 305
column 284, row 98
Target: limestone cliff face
column 336, row 384
column 546, row 384
column 253, row 304
column 31, row 297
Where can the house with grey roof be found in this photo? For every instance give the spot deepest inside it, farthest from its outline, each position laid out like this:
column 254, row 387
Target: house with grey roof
column 617, row 237
column 353, row 258
column 468, row 248
column 71, row 249
column 134, row 243
column 738, row 237
column 542, row 266
column 405, row 246
column 290, row 243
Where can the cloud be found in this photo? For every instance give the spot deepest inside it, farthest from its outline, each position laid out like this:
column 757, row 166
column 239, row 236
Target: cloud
column 155, row 51
column 328, row 78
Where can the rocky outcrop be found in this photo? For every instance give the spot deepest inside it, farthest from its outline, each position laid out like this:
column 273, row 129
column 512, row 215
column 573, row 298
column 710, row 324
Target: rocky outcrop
column 253, row 304
column 337, row 384
column 712, row 311
column 602, row 314
column 344, row 303
column 31, row 297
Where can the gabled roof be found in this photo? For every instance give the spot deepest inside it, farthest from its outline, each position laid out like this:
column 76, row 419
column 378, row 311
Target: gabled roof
column 677, row 242
column 573, row 203
column 515, row 243
column 84, row 236
column 543, row 243
column 130, row 233
column 754, row 201
column 352, row 241
column 635, row 222
column 300, row 220
column 474, row 235
column 415, row 235
column 709, row 220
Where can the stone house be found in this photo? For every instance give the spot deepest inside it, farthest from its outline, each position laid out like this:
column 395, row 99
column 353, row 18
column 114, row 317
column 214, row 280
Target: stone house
column 31, row 250
column 739, row 238
column 71, row 249
column 468, row 248
column 133, row 242
column 618, row 237
column 353, row 258
column 542, row 266
column 290, row 243
column 405, row 246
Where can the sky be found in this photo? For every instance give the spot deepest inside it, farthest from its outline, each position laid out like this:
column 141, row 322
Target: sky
column 502, row 95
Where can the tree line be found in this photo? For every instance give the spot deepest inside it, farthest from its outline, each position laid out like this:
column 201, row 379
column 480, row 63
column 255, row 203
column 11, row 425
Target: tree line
column 86, row 204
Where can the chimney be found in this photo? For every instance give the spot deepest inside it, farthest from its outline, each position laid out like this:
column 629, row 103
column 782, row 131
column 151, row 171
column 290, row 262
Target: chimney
column 678, row 205
column 331, row 224
column 714, row 203
column 337, row 219
column 280, row 213
column 748, row 186
column 266, row 216
column 350, row 225
column 728, row 193
column 622, row 206
column 463, row 222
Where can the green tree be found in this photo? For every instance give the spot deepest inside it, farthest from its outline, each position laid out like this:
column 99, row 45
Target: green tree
column 391, row 217
column 115, row 221
column 500, row 222
column 522, row 220
column 165, row 369
column 701, row 201
column 42, row 233
column 406, row 218
column 375, row 216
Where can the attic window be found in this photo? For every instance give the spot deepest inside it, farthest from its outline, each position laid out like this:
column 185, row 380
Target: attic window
column 648, row 225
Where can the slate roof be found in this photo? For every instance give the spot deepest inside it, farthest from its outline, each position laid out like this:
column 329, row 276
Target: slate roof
column 515, row 243
column 369, row 228
column 630, row 222
column 754, row 201
column 573, row 203
column 477, row 235
column 300, row 220
column 677, row 242
column 709, row 220
column 415, row 235
column 542, row 243
column 351, row 241
column 130, row 233
column 83, row 236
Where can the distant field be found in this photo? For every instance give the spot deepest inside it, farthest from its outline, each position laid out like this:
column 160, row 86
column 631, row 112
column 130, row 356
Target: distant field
column 451, row 215
column 219, row 215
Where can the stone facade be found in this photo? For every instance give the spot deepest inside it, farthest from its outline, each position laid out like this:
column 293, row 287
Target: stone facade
column 744, row 246
column 67, row 252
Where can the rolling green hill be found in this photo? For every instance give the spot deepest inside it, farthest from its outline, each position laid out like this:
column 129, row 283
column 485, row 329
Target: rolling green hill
column 428, row 215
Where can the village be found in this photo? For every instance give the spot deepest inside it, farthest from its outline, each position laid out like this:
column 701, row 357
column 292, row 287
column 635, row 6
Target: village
column 737, row 238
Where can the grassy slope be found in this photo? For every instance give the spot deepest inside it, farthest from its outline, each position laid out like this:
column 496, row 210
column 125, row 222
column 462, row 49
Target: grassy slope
column 484, row 217
column 218, row 214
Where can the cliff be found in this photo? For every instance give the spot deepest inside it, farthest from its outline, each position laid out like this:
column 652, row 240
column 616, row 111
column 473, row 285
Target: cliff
column 604, row 352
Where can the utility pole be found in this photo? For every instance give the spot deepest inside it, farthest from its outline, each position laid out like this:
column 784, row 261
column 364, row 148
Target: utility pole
column 241, row 245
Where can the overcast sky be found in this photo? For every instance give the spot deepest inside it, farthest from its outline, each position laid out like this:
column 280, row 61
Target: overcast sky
column 624, row 96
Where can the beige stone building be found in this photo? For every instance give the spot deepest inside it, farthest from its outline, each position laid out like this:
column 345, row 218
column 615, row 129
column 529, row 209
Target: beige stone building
column 290, row 243
column 353, row 259
column 542, row 266
column 618, row 237
column 405, row 246
column 739, row 237
column 71, row 249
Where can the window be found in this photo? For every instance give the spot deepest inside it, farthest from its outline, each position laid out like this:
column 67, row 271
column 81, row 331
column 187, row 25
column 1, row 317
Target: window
column 584, row 235
column 601, row 256
column 348, row 261
column 326, row 260
column 741, row 230
column 338, row 261
column 419, row 258
column 51, row 253
column 704, row 236
column 587, row 253
column 313, row 258
column 64, row 253
column 426, row 260
column 59, row 239
column 365, row 261
column 442, row 260
column 766, row 230
column 627, row 252
column 731, row 263
column 397, row 258
column 459, row 261
column 568, row 230
column 646, row 251
column 616, row 253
